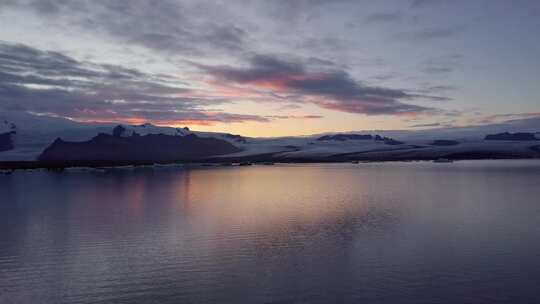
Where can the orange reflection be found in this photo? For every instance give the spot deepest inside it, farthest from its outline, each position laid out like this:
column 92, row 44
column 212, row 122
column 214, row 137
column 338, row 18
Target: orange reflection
column 262, row 199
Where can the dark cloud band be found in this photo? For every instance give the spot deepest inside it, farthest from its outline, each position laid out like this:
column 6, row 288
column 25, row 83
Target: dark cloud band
column 53, row 83
column 330, row 89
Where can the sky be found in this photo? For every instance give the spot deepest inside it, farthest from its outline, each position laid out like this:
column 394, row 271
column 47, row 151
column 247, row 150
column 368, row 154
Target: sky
column 272, row 68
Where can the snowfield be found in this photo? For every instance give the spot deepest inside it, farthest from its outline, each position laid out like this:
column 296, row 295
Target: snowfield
column 35, row 133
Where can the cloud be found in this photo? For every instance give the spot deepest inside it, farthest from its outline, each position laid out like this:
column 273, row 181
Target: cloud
column 440, row 88
column 297, row 11
column 429, row 34
column 294, row 116
column 165, row 26
column 516, row 122
column 50, row 82
column 441, row 64
column 437, row 69
column 384, row 18
column 205, row 118
column 508, row 118
column 436, row 124
column 440, row 124
column 331, row 89
column 421, row 3
column 289, row 106
column 436, row 33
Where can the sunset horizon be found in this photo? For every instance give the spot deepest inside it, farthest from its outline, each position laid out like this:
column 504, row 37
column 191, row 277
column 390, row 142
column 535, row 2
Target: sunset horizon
column 271, row 68
column 269, row 151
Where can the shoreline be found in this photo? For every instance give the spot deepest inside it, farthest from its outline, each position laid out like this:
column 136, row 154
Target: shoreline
column 235, row 161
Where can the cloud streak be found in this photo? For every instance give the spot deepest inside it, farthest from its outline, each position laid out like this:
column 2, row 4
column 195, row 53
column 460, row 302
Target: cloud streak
column 384, row 18
column 164, row 26
column 294, row 116
column 329, row 89
column 55, row 84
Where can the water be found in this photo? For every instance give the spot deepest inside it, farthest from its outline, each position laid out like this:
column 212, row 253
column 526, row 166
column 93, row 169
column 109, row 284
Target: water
column 466, row 232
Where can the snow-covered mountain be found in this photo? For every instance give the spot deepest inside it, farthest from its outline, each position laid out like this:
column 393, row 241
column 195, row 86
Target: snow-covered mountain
column 146, row 129
column 31, row 134
column 34, row 133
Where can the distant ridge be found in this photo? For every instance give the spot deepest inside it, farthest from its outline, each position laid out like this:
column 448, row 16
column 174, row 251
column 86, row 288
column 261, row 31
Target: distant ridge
column 345, row 137
column 157, row 147
column 511, row 136
column 48, row 139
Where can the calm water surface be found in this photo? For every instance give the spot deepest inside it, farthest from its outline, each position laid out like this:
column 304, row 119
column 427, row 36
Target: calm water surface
column 467, row 232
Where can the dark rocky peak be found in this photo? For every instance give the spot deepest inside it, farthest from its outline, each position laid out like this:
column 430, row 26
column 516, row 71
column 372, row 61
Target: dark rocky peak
column 387, row 140
column 7, row 126
column 118, row 131
column 7, row 141
column 237, row 138
column 58, row 140
column 150, row 147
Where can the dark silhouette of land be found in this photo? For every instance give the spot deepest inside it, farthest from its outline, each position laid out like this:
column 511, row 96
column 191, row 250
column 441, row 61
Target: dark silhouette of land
column 156, row 147
column 511, row 136
column 6, row 141
column 121, row 148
